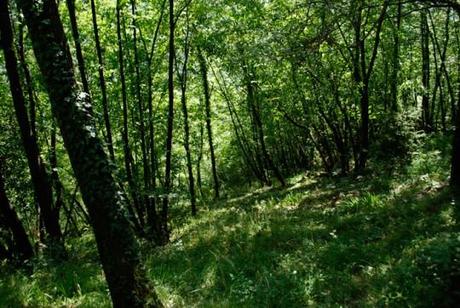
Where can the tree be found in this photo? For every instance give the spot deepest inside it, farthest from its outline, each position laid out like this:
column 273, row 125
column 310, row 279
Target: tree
column 426, row 110
column 102, row 83
column 164, row 236
column 183, row 75
column 137, row 220
column 207, row 103
column 362, row 74
column 39, row 175
column 115, row 239
column 22, row 248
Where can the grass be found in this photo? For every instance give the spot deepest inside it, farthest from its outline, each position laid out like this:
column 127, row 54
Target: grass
column 377, row 240
column 76, row 282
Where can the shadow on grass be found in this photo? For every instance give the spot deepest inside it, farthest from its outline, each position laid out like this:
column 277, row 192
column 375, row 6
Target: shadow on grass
column 328, row 242
column 78, row 281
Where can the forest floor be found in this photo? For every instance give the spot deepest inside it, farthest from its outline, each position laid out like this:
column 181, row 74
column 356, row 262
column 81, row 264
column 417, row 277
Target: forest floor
column 378, row 240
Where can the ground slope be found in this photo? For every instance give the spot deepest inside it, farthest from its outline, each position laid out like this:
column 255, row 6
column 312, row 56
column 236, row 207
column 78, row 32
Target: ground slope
column 377, row 240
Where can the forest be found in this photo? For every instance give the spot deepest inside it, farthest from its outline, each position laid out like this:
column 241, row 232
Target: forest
column 225, row 153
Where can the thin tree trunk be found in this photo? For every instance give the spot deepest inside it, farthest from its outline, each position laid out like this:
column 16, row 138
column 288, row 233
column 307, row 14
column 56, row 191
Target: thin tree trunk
column 140, row 107
column 183, row 75
column 238, row 127
column 198, row 161
column 191, row 179
column 396, row 66
column 77, row 42
column 442, row 51
column 115, row 239
column 366, row 73
column 164, row 236
column 125, row 133
column 152, row 215
column 424, row 32
column 207, row 102
column 241, row 139
column 258, row 126
column 102, row 84
column 32, row 110
column 28, row 81
column 455, row 161
column 40, row 178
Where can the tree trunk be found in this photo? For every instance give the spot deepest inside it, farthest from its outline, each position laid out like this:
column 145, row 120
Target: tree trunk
column 427, row 118
column 22, row 247
column 183, row 75
column 140, row 107
column 258, row 127
column 239, row 132
column 164, row 236
column 152, row 216
column 396, row 66
column 115, row 239
column 207, row 102
column 365, row 76
column 191, row 179
column 40, row 178
column 125, row 133
column 32, row 111
column 198, row 161
column 27, row 81
column 455, row 163
column 78, row 50
column 102, row 84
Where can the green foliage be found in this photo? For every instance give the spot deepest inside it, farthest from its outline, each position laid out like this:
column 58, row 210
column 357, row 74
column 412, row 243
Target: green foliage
column 396, row 137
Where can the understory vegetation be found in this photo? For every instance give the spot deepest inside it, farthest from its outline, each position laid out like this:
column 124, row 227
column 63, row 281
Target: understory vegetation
column 382, row 239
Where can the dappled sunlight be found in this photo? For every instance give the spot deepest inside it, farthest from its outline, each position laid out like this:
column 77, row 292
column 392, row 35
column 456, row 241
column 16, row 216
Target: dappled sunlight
column 327, row 241
column 373, row 240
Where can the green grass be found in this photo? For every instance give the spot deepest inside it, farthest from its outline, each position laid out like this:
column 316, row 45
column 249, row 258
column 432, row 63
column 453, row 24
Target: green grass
column 76, row 282
column 377, row 240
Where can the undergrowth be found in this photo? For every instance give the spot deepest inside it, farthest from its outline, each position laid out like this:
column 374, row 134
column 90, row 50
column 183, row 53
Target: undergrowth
column 378, row 240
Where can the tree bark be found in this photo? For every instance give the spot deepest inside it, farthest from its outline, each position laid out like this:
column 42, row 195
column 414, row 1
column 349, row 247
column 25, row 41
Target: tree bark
column 152, row 215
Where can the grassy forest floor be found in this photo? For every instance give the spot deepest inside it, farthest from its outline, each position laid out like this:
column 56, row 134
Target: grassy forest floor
column 377, row 240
